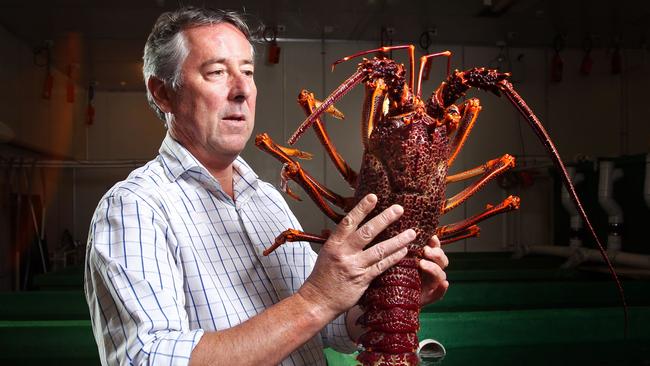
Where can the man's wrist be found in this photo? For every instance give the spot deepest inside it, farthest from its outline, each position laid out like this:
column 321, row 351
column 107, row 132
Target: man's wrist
column 316, row 304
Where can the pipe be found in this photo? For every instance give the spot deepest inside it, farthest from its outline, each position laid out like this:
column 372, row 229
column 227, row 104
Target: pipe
column 577, row 256
column 431, row 352
column 575, row 220
column 607, row 175
column 646, row 183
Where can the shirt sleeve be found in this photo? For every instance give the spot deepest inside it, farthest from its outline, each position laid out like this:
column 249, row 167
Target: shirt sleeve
column 134, row 286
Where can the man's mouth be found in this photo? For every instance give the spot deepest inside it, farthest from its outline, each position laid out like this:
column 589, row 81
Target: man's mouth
column 235, row 117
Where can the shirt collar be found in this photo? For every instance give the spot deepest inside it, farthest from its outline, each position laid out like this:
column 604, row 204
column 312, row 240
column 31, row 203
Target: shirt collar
column 245, row 180
column 177, row 160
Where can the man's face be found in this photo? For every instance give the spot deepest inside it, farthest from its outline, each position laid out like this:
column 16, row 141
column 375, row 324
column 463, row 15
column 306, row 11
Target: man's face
column 214, row 108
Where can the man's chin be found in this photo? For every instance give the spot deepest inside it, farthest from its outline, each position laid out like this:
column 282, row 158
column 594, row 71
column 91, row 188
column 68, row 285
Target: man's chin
column 231, row 149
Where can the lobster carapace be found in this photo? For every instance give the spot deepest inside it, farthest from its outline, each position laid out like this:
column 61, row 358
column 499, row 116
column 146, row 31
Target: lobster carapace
column 408, row 146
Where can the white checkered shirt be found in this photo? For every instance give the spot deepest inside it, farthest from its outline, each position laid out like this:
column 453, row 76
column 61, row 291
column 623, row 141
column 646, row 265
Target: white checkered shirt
column 170, row 255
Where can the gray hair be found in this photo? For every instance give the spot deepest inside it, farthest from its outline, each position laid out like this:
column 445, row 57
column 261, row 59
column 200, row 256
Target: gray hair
column 165, row 49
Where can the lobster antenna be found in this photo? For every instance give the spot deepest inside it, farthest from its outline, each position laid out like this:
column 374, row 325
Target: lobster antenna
column 540, row 131
column 423, row 62
column 337, row 94
column 410, row 47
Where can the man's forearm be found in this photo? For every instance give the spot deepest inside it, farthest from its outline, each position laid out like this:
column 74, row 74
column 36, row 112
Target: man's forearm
column 265, row 339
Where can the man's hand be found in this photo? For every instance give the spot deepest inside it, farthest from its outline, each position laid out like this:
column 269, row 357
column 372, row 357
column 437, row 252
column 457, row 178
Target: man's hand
column 434, row 278
column 344, row 269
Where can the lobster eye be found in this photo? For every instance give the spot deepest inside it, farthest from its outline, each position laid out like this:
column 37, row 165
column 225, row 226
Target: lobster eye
column 453, row 110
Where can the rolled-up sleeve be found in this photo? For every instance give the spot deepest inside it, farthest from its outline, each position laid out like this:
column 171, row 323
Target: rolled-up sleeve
column 134, row 286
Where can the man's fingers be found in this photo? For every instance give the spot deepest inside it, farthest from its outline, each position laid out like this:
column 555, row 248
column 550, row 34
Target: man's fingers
column 366, row 233
column 384, row 264
column 434, row 242
column 436, row 255
column 383, row 255
column 350, row 222
column 433, row 270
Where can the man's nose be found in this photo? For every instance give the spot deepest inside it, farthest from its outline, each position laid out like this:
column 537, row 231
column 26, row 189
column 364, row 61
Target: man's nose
column 241, row 87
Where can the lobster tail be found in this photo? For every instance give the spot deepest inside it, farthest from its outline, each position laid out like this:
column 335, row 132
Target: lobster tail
column 391, row 314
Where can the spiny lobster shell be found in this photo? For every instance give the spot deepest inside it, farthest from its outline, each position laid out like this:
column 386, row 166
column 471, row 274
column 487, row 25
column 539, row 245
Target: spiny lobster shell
column 406, row 164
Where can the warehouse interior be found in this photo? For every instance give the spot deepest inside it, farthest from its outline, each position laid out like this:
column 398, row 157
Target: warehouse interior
column 531, row 289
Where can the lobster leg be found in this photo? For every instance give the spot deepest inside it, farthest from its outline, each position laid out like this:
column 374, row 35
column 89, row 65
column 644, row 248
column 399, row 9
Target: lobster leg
column 469, row 111
column 481, row 169
column 314, row 189
column 291, row 235
column 284, row 183
column 470, row 232
column 423, row 61
column 491, row 169
column 372, row 109
column 509, row 204
column 309, row 104
column 295, row 153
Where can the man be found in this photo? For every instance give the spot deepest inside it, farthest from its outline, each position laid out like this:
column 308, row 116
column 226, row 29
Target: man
column 174, row 271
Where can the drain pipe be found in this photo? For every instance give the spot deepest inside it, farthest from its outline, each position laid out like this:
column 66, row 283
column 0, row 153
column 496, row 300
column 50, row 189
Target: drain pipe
column 577, row 256
column 607, row 175
column 575, row 239
column 646, row 184
column 431, row 352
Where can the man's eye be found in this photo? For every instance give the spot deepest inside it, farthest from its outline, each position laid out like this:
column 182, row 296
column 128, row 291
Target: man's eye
column 248, row 72
column 216, row 72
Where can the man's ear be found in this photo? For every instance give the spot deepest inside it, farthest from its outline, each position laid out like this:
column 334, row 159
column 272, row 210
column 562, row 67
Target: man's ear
column 159, row 93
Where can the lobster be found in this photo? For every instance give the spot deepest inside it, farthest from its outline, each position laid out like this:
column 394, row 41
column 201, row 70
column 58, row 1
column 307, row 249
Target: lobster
column 408, row 146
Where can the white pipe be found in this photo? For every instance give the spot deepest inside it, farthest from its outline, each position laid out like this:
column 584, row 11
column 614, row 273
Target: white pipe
column 607, row 175
column 556, row 250
column 581, row 255
column 646, row 184
column 567, row 203
column 431, row 352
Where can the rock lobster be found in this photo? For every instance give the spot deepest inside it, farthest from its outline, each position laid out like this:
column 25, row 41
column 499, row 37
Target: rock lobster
column 409, row 144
